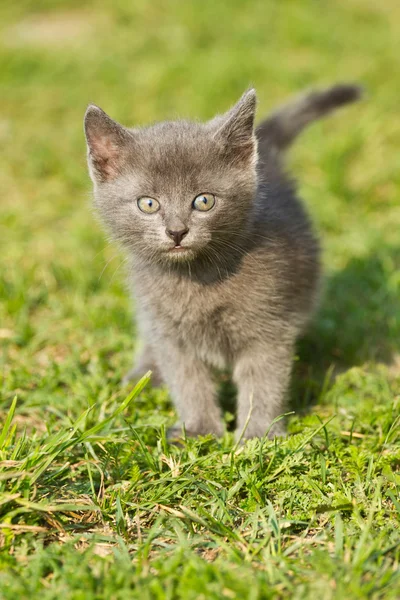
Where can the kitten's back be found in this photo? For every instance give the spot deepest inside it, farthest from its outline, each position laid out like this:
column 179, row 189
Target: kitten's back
column 280, row 222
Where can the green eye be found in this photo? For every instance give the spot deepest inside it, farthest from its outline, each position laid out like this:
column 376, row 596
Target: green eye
column 204, row 202
column 148, row 205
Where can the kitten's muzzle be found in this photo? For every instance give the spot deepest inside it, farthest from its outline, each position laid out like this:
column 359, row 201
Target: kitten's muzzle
column 177, row 236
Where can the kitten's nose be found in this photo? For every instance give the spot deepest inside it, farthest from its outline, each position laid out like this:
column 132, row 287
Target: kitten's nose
column 177, row 236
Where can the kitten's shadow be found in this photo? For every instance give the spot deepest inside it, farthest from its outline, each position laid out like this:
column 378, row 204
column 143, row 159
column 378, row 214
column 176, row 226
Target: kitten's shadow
column 358, row 321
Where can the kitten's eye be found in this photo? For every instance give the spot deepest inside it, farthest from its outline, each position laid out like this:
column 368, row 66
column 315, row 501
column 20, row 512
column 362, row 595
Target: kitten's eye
column 204, row 202
column 148, row 205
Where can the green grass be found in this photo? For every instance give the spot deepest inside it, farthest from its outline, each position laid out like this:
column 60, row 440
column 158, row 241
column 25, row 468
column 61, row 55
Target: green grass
column 94, row 502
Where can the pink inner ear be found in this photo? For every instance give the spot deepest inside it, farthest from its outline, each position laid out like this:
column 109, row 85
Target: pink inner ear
column 105, row 155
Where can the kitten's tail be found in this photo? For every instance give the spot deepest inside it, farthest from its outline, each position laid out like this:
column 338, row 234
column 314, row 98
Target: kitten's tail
column 284, row 125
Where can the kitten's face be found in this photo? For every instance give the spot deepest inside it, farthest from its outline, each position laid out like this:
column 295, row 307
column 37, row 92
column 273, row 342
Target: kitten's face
column 177, row 190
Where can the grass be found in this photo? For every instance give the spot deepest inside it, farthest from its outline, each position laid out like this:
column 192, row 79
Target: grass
column 94, row 502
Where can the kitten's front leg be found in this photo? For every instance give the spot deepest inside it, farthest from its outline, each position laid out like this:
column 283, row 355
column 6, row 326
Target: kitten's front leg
column 143, row 363
column 193, row 391
column 262, row 375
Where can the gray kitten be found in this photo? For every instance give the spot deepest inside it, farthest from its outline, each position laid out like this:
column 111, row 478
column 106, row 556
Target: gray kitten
column 224, row 262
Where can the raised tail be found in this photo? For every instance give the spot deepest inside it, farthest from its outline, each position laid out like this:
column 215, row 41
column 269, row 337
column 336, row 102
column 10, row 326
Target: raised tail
column 284, row 125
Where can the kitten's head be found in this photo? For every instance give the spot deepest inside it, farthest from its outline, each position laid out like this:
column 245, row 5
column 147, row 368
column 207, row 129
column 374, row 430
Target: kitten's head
column 176, row 190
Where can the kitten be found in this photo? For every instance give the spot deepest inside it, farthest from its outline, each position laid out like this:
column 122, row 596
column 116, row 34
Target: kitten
column 224, row 261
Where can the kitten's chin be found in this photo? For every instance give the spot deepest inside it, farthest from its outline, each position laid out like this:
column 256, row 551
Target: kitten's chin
column 179, row 254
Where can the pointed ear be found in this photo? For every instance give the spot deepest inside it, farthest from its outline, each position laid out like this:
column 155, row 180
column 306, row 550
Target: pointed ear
column 237, row 129
column 107, row 144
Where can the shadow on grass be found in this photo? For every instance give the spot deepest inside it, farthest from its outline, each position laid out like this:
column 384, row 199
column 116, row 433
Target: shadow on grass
column 358, row 321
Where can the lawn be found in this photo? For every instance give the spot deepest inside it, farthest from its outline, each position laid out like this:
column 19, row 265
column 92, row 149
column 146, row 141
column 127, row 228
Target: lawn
column 94, row 501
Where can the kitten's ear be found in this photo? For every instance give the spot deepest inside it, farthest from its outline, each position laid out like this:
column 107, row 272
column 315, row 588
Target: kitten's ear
column 106, row 142
column 237, row 129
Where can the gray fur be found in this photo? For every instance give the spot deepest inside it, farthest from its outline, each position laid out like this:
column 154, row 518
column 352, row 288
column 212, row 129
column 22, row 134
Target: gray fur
column 247, row 283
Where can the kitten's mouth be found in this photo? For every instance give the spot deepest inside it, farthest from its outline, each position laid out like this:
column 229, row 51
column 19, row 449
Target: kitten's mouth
column 178, row 249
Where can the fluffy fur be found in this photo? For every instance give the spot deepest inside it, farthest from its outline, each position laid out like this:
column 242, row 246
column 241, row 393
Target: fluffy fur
column 244, row 282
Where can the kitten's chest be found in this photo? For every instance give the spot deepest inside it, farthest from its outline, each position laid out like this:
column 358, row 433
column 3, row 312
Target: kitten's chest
column 201, row 318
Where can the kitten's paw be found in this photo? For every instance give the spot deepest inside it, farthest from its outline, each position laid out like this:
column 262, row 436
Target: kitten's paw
column 137, row 373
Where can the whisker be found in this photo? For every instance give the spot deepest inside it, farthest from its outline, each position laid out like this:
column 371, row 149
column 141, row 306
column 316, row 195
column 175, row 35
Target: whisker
column 124, row 261
column 106, row 265
column 244, row 235
column 209, row 254
column 242, row 251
